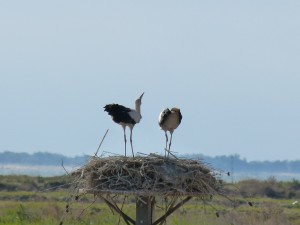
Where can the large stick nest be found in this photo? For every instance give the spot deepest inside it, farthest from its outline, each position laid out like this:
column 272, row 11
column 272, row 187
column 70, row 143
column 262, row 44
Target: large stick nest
column 151, row 175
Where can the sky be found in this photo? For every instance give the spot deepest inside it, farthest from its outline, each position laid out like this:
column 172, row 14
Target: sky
column 232, row 67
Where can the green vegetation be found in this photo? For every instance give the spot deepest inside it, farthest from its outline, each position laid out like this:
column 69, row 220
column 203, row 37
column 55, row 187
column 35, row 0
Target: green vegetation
column 46, row 204
column 28, row 183
column 264, row 211
column 270, row 188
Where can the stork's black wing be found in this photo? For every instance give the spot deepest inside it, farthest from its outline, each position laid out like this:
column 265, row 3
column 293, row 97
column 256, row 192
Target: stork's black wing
column 119, row 113
column 163, row 116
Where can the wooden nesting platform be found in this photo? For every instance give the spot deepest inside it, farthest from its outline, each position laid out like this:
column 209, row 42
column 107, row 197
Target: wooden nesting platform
column 152, row 175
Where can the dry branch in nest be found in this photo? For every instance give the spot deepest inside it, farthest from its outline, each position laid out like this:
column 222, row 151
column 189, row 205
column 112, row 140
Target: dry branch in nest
column 153, row 175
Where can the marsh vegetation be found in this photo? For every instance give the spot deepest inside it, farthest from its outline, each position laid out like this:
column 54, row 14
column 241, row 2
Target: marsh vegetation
column 39, row 200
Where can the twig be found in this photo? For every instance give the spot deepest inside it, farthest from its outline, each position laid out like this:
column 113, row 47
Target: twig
column 140, row 199
column 126, row 218
column 171, row 153
column 69, row 200
column 170, row 211
column 86, row 208
column 141, row 153
column 62, row 164
column 111, row 153
column 122, row 208
column 101, row 142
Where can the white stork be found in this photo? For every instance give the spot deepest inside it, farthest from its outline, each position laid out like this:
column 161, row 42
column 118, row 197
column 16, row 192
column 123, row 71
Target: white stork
column 169, row 120
column 126, row 117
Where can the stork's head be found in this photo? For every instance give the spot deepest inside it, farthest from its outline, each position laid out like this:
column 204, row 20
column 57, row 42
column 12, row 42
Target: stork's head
column 139, row 100
column 177, row 110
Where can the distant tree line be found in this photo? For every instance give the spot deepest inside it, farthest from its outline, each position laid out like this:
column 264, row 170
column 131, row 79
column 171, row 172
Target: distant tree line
column 224, row 163
column 40, row 158
column 235, row 163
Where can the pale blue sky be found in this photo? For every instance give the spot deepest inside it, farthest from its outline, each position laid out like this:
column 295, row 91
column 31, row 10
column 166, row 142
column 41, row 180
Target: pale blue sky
column 233, row 67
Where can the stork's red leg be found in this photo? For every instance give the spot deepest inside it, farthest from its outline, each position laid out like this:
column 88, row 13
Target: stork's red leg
column 131, row 141
column 124, row 138
column 166, row 143
column 170, row 143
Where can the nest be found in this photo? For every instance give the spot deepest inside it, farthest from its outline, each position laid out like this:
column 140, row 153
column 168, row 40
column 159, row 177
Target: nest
column 148, row 176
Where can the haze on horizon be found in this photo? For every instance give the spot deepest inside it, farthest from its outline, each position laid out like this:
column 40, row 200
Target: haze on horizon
column 231, row 67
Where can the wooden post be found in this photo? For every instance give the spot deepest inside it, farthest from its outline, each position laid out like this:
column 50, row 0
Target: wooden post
column 144, row 210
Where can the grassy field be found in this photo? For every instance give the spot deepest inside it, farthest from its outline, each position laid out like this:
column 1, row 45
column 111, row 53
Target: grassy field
column 24, row 207
column 50, row 208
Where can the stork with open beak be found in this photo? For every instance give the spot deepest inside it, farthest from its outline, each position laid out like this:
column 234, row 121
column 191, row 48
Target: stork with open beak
column 126, row 117
column 169, row 120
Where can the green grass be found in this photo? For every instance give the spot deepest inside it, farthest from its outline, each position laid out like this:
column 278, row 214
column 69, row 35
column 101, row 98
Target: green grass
column 45, row 213
column 28, row 183
column 48, row 211
column 23, row 202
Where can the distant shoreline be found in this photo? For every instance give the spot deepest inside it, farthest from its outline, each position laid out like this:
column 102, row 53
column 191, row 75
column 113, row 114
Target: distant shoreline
column 49, row 164
column 50, row 171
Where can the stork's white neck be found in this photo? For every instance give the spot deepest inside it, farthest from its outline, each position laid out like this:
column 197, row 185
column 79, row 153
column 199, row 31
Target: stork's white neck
column 138, row 108
column 136, row 114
